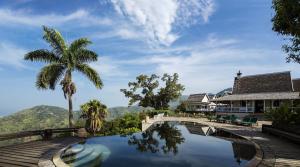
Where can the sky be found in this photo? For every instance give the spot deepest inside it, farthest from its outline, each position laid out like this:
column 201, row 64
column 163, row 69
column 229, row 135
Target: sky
column 205, row 41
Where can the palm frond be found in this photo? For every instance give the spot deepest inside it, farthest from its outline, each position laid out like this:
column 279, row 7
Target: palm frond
column 80, row 43
column 42, row 55
column 49, row 76
column 91, row 74
column 55, row 39
column 85, row 56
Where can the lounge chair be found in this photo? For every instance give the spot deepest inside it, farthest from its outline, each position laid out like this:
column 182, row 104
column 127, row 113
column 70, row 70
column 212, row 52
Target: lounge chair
column 250, row 122
column 224, row 119
column 233, row 118
column 244, row 120
column 220, row 118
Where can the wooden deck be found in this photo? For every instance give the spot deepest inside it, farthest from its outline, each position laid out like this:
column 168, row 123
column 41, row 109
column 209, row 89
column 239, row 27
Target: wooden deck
column 33, row 154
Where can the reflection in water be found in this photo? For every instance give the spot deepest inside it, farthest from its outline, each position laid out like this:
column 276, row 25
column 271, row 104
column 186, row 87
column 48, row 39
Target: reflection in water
column 165, row 137
column 166, row 144
column 243, row 151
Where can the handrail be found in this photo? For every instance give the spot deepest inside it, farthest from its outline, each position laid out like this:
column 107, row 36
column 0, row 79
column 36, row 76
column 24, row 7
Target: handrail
column 46, row 133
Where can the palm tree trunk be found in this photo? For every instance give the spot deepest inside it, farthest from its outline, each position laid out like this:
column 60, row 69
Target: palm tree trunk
column 70, row 111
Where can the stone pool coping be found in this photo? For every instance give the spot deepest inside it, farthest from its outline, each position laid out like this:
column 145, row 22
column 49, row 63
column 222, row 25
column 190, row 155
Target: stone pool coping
column 57, row 161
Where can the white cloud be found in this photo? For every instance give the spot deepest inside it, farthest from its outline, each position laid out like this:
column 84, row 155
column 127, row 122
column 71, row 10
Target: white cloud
column 123, row 32
column 11, row 55
column 108, row 67
column 21, row 17
column 211, row 66
column 158, row 17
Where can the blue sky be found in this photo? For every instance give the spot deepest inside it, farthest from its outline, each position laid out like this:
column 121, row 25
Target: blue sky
column 205, row 41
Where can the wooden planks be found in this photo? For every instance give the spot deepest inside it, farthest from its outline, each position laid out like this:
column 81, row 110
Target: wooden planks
column 29, row 154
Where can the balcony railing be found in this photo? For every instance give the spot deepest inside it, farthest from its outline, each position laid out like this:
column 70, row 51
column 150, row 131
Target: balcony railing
column 234, row 109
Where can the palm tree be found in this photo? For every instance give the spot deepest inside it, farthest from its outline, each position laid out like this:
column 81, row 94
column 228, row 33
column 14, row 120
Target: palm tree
column 94, row 112
column 62, row 61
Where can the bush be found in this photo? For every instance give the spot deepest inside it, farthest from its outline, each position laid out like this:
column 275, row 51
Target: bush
column 129, row 123
column 284, row 116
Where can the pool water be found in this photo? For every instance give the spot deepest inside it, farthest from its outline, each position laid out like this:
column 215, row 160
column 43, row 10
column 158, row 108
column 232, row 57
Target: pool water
column 167, row 144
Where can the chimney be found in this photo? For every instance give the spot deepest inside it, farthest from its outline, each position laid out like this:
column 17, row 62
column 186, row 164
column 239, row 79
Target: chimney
column 238, row 75
column 236, row 84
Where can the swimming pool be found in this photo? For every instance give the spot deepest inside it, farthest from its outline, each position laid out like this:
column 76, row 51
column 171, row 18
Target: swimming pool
column 174, row 144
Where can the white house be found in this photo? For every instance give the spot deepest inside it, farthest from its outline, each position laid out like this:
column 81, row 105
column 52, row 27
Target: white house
column 199, row 102
column 259, row 93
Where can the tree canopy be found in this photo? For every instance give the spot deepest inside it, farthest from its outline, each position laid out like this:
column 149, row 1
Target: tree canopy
column 94, row 112
column 146, row 93
column 286, row 22
column 62, row 60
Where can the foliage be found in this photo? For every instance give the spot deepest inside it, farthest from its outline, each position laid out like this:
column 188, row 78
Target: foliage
column 286, row 22
column 129, row 123
column 149, row 140
column 182, row 107
column 94, row 113
column 144, row 91
column 36, row 118
column 62, row 60
column 117, row 112
column 284, row 115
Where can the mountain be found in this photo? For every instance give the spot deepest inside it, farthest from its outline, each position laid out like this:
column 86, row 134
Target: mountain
column 43, row 117
column 39, row 117
column 224, row 92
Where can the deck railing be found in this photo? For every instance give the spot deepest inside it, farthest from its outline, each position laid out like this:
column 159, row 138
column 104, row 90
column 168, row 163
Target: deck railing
column 45, row 134
column 234, row 109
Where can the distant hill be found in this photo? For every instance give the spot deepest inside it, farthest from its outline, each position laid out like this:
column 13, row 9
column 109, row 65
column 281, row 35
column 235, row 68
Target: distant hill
column 42, row 117
column 224, row 92
column 39, row 117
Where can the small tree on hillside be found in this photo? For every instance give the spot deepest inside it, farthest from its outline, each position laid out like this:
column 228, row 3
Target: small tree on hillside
column 286, row 22
column 94, row 112
column 144, row 91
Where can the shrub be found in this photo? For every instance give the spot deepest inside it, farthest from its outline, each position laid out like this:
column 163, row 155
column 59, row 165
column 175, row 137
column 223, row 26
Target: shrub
column 283, row 116
column 129, row 123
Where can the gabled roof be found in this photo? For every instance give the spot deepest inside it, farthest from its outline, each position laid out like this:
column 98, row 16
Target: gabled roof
column 296, row 84
column 196, row 97
column 263, row 83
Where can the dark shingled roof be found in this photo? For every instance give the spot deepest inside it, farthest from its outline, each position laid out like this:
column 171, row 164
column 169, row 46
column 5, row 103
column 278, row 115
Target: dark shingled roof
column 262, row 83
column 196, row 97
column 296, row 84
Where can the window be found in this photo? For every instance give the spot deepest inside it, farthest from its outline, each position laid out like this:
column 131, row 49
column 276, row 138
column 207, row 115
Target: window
column 243, row 103
column 276, row 103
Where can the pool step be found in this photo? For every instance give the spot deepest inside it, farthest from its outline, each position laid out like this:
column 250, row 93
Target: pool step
column 88, row 155
column 92, row 160
column 73, row 150
column 88, row 150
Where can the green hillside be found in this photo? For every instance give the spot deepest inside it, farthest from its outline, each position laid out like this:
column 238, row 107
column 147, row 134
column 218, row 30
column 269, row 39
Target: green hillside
column 39, row 117
column 42, row 117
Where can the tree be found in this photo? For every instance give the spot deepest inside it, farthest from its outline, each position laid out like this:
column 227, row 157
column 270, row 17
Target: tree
column 62, row 60
column 286, row 22
column 143, row 91
column 181, row 107
column 94, row 112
